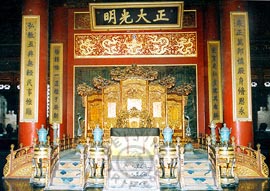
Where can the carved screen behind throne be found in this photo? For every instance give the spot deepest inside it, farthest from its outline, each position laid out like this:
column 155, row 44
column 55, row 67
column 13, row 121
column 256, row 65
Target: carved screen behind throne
column 134, row 101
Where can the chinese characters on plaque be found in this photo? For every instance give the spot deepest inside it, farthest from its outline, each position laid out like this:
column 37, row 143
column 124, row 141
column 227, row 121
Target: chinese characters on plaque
column 29, row 69
column 214, row 82
column 82, row 20
column 136, row 15
column 56, row 82
column 240, row 66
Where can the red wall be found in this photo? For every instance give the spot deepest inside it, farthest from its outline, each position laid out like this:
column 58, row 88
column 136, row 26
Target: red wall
column 71, row 62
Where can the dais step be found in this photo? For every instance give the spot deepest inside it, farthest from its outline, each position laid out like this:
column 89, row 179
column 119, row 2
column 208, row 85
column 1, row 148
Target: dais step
column 67, row 176
column 197, row 173
column 196, row 165
column 198, row 176
column 66, row 181
column 132, row 183
column 67, row 173
column 69, row 164
column 130, row 164
column 199, row 181
column 200, row 187
column 131, row 189
column 132, row 174
column 65, row 187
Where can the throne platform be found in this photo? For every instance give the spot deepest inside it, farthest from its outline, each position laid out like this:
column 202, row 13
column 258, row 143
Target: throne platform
column 133, row 108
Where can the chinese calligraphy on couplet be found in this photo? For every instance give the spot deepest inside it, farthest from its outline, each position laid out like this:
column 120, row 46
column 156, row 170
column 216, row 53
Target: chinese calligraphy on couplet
column 109, row 16
column 214, row 82
column 29, row 69
column 240, row 66
column 56, row 82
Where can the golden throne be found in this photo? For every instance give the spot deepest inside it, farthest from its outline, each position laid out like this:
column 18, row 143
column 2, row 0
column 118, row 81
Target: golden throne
column 134, row 98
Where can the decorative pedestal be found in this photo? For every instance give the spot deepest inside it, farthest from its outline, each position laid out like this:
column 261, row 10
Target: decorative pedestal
column 97, row 158
column 97, row 165
column 40, row 164
column 41, row 159
column 226, row 163
column 168, row 165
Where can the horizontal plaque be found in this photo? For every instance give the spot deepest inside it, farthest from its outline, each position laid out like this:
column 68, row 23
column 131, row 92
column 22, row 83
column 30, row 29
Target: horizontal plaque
column 132, row 16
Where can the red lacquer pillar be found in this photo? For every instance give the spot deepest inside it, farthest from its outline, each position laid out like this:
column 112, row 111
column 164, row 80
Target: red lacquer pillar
column 211, row 33
column 241, row 130
column 59, row 35
column 28, row 130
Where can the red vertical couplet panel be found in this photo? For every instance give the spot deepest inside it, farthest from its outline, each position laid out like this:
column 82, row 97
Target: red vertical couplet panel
column 241, row 130
column 27, row 129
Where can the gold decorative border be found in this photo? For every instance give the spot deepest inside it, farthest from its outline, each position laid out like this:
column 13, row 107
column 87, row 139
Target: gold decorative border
column 56, row 82
column 94, row 27
column 163, row 44
column 240, row 66
column 214, row 82
column 30, row 68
